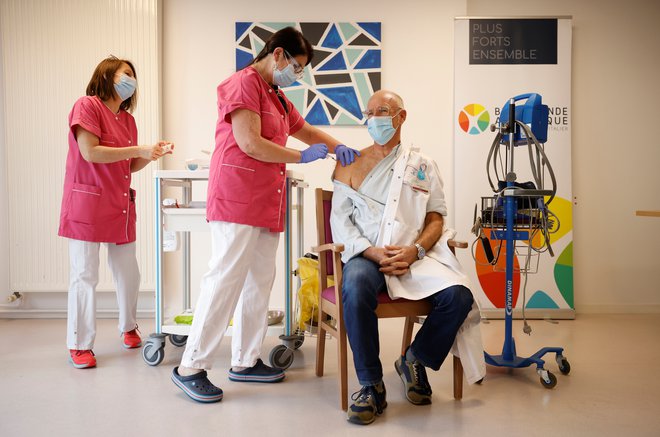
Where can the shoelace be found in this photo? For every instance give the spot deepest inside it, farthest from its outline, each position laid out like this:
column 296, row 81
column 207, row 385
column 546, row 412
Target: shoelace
column 363, row 394
column 420, row 376
column 79, row 352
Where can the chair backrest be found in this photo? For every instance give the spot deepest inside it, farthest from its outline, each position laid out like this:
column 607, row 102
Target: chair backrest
column 323, row 230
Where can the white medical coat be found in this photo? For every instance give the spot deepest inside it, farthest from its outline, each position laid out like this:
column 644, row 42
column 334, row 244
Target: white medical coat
column 414, row 178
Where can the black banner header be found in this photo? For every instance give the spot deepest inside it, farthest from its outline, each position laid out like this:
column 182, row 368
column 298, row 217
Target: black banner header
column 513, row 41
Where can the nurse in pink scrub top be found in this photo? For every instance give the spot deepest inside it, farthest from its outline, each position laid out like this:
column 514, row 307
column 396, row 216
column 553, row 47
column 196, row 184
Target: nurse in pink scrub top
column 98, row 204
column 245, row 209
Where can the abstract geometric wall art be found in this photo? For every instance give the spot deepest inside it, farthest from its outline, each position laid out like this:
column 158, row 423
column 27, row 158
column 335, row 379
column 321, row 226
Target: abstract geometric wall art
column 343, row 74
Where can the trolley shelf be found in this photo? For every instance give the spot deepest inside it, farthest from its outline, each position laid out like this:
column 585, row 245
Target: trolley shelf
column 182, row 329
column 185, row 218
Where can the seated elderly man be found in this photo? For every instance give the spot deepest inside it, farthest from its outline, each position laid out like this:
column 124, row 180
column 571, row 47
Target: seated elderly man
column 387, row 210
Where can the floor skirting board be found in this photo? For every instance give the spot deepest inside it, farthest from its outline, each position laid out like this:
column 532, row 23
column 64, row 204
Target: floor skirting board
column 53, row 305
column 536, row 313
column 48, row 305
column 619, row 309
column 61, row 314
column 570, row 314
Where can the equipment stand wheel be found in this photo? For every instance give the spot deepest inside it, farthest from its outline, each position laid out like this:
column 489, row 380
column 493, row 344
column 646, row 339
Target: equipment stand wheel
column 281, row 357
column 153, row 351
column 178, row 340
column 548, row 380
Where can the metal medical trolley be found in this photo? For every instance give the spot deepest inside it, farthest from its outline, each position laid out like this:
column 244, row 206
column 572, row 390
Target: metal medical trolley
column 189, row 216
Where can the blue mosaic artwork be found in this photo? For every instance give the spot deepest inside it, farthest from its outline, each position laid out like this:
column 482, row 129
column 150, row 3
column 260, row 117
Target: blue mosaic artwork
column 343, row 74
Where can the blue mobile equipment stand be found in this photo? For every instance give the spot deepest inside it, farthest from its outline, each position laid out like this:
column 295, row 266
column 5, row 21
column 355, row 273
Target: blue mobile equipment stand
column 510, row 233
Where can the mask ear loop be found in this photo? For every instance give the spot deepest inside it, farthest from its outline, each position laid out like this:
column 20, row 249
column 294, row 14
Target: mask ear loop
column 396, row 115
column 275, row 62
column 282, row 55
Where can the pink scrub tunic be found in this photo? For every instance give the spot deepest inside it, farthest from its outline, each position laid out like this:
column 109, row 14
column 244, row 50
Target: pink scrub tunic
column 242, row 189
column 98, row 203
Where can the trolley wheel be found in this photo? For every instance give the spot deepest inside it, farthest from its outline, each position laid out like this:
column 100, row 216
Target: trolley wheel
column 281, row 357
column 178, row 340
column 151, row 358
column 564, row 365
column 552, row 380
column 299, row 342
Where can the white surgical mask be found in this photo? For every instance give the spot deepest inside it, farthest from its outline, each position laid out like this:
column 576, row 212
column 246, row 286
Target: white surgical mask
column 381, row 129
column 125, row 88
column 284, row 77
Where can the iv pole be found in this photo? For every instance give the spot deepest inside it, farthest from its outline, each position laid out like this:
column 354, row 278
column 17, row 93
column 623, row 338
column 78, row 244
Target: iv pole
column 508, row 358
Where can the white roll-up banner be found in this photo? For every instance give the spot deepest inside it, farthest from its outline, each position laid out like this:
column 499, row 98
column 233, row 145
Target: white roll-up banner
column 497, row 59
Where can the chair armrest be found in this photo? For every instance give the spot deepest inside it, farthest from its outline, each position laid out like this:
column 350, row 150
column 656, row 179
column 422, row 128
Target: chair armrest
column 333, row 247
column 459, row 244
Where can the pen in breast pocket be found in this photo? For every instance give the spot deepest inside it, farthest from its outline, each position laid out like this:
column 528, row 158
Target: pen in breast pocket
column 417, row 188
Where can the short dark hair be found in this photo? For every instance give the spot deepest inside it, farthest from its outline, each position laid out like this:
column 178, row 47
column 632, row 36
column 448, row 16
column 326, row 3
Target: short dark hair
column 291, row 40
column 102, row 83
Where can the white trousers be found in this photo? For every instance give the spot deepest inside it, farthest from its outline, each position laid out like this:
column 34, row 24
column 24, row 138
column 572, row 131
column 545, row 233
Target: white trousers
column 239, row 281
column 84, row 276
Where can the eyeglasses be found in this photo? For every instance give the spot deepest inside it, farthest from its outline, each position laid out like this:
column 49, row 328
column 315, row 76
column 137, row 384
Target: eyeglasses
column 381, row 111
column 297, row 68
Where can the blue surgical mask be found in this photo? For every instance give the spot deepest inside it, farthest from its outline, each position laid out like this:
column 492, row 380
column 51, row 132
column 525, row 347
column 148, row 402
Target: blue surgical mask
column 125, row 87
column 381, row 129
column 284, row 77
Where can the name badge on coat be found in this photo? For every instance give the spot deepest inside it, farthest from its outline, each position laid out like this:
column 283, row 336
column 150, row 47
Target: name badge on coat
column 416, row 177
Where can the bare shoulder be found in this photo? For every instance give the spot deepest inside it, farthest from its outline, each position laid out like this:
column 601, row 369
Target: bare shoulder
column 341, row 174
column 346, row 174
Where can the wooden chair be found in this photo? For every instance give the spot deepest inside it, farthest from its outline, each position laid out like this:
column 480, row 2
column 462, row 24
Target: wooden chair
column 330, row 302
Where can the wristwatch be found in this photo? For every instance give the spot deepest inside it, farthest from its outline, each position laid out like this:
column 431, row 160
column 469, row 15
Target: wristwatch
column 421, row 252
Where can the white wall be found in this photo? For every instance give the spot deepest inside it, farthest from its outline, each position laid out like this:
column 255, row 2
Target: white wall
column 615, row 157
column 198, row 54
column 616, row 57
column 49, row 50
column 4, row 216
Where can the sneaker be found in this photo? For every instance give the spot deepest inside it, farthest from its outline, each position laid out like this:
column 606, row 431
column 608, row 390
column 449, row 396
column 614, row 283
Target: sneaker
column 82, row 359
column 257, row 373
column 131, row 339
column 415, row 382
column 368, row 403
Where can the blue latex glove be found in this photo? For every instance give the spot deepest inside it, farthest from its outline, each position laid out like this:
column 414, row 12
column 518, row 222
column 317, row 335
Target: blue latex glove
column 313, row 152
column 346, row 155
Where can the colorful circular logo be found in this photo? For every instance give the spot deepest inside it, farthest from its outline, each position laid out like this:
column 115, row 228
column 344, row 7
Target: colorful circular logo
column 474, row 119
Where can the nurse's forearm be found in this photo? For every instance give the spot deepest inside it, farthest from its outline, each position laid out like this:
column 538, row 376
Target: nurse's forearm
column 92, row 151
column 263, row 150
column 309, row 134
column 138, row 164
column 321, row 137
column 246, row 127
column 106, row 155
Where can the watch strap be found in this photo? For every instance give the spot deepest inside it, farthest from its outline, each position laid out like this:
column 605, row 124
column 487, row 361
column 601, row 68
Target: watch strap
column 421, row 252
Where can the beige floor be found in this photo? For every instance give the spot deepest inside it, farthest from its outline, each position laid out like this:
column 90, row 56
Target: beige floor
column 613, row 388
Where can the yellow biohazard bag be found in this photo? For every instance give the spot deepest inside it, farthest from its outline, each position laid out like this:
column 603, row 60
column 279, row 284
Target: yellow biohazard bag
column 308, row 293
